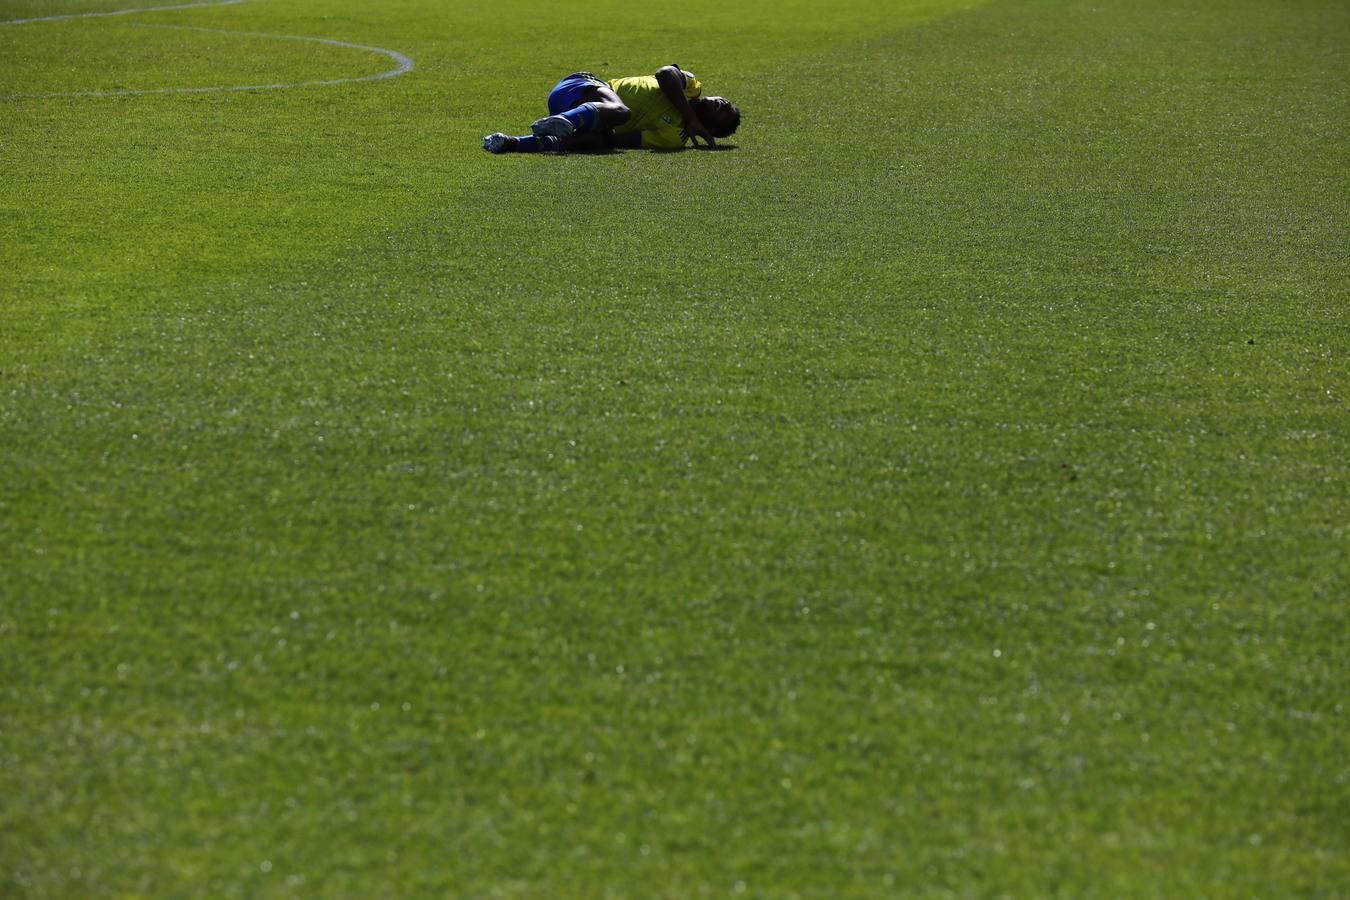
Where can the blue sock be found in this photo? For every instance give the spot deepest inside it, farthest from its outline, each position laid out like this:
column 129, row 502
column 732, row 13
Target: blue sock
column 583, row 117
column 531, row 144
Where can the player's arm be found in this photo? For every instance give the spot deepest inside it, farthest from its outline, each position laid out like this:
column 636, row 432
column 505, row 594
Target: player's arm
column 671, row 80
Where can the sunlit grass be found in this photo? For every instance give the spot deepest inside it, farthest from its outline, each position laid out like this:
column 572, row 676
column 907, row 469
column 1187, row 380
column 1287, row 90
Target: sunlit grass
column 941, row 492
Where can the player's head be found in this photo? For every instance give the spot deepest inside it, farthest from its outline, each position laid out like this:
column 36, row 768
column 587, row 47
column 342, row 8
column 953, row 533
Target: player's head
column 718, row 115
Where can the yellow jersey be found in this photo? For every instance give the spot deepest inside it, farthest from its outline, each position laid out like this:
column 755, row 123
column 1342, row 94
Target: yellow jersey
column 660, row 123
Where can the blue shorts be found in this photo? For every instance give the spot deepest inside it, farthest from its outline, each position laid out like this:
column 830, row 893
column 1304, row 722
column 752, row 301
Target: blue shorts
column 567, row 93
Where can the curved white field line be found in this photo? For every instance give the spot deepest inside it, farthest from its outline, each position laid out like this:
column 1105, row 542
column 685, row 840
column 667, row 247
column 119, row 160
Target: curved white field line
column 402, row 63
column 119, row 12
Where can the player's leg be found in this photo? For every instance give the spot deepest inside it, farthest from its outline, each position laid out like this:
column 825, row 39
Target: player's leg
column 580, row 103
column 529, row 143
column 505, row 143
column 609, row 109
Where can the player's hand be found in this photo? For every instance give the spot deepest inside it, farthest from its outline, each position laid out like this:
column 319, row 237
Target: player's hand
column 694, row 129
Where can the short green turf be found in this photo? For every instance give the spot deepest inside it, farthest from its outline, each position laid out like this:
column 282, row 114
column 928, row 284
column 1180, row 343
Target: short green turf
column 941, row 493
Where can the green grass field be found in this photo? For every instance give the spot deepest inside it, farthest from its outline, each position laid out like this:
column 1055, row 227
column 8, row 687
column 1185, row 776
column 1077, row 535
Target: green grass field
column 944, row 492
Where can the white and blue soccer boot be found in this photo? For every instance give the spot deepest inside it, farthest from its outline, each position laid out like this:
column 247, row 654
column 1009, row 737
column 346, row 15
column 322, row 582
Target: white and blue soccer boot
column 552, row 126
column 498, row 142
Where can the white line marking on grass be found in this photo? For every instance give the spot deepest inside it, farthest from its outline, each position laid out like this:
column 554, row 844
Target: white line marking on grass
column 119, row 12
column 402, row 63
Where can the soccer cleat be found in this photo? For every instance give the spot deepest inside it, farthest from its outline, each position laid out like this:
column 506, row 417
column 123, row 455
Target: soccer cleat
column 553, row 126
column 497, row 142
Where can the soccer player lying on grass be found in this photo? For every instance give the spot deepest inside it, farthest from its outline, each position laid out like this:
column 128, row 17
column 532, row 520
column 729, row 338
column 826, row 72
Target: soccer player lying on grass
column 660, row 112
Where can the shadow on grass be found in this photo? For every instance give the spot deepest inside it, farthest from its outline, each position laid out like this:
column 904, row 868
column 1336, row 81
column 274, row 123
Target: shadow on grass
column 659, row 151
column 701, row 148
